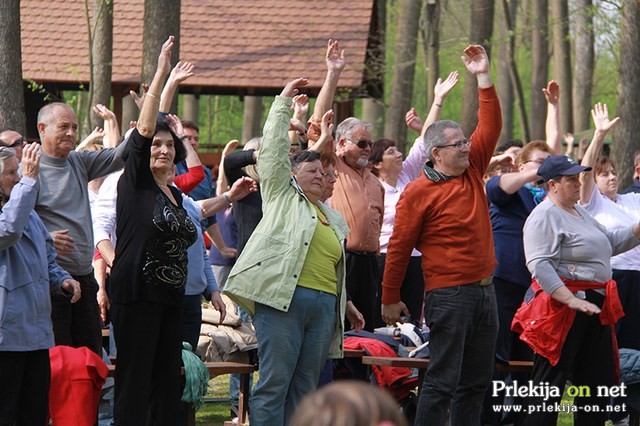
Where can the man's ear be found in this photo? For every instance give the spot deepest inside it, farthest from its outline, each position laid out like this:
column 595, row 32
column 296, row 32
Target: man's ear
column 41, row 127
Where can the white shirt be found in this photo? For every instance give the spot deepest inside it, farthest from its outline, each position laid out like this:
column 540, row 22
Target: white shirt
column 411, row 169
column 614, row 215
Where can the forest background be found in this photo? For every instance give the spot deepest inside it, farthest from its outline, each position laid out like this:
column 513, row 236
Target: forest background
column 591, row 47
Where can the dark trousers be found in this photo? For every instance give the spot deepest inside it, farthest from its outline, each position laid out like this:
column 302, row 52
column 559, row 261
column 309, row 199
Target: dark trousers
column 412, row 290
column 148, row 337
column 78, row 324
column 627, row 330
column 587, row 360
column 192, row 320
column 25, row 378
column 362, row 284
column 509, row 297
column 464, row 324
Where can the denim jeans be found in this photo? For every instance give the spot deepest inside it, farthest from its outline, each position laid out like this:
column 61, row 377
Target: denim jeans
column 292, row 348
column 464, row 325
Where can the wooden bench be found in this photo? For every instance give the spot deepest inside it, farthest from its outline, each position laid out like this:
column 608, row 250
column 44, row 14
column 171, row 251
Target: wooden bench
column 218, row 369
column 423, row 363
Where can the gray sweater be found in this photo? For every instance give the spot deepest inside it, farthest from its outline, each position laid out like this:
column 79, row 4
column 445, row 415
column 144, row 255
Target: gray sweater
column 63, row 199
column 558, row 244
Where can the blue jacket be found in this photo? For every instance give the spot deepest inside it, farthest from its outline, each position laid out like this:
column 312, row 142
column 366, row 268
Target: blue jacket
column 28, row 273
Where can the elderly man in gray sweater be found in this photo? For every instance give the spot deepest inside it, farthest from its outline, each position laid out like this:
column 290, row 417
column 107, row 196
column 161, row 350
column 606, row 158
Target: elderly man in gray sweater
column 63, row 206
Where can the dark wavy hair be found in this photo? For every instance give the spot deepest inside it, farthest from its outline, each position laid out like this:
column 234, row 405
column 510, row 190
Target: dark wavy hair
column 163, row 125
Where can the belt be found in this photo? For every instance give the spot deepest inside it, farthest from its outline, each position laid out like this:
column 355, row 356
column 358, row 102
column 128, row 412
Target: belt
column 361, row 253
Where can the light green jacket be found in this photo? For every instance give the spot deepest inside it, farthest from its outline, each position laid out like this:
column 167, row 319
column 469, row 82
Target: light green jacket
column 269, row 267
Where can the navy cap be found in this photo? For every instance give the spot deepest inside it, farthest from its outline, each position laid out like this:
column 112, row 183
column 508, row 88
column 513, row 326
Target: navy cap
column 559, row 165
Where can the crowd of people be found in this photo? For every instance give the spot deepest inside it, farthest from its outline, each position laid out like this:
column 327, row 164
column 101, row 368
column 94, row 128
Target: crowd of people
column 505, row 253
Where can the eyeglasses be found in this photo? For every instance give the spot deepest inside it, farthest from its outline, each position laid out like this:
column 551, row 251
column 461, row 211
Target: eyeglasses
column 16, row 144
column 362, row 143
column 457, row 145
column 330, row 175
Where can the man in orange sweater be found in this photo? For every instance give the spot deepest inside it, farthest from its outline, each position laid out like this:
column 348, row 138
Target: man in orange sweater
column 444, row 215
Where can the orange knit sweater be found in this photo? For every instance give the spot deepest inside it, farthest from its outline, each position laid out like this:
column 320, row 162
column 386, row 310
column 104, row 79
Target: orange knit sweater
column 448, row 221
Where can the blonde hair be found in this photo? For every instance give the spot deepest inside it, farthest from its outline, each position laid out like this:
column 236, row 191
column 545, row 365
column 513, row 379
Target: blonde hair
column 348, row 403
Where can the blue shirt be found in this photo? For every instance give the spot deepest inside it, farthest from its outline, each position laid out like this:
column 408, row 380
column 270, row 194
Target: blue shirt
column 204, row 190
column 229, row 232
column 28, row 273
column 200, row 278
column 508, row 214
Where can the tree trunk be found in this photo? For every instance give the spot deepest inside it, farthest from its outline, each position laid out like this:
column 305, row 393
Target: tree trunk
column 481, row 29
column 583, row 66
column 625, row 133
column 191, row 108
column 505, row 86
column 101, row 52
column 161, row 19
column 12, row 112
column 562, row 61
column 430, row 30
column 539, row 67
column 373, row 112
column 253, row 111
column 403, row 72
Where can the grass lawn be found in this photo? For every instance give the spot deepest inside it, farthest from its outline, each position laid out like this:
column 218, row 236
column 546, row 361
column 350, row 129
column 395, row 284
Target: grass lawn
column 216, row 413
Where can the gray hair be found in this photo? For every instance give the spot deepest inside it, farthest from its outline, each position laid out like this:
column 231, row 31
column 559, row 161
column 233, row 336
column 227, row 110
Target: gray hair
column 434, row 136
column 46, row 112
column 349, row 126
column 5, row 152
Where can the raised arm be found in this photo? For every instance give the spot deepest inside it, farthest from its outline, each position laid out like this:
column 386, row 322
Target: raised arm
column 181, row 72
column 300, row 110
column 149, row 112
column 335, row 64
column 440, row 92
column 324, row 145
column 552, row 125
column 476, row 61
column 111, row 127
column 600, row 115
column 222, row 184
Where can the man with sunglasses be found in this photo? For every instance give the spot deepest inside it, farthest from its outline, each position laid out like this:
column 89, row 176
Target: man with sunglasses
column 12, row 139
column 444, row 215
column 357, row 195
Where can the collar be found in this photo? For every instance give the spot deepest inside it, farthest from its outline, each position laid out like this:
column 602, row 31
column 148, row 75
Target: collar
column 434, row 175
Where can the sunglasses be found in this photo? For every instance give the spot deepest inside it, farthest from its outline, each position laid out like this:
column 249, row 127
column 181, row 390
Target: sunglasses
column 362, row 143
column 16, row 144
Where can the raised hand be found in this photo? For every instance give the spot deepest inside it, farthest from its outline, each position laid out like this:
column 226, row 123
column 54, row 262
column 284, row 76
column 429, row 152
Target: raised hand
column 300, row 105
column 175, row 124
column 334, row 57
column 413, row 120
column 326, row 125
column 600, row 115
column 104, row 112
column 442, row 88
column 230, row 147
column 182, row 71
column 475, row 59
column 31, row 154
column 164, row 58
column 139, row 99
column 552, row 92
column 293, row 87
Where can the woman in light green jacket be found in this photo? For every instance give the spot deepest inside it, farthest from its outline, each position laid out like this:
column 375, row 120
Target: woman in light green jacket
column 290, row 276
